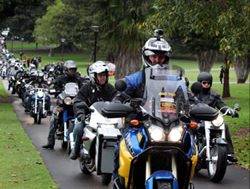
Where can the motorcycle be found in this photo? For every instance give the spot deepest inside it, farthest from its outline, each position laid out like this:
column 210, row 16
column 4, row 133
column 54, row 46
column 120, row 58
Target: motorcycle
column 40, row 104
column 210, row 138
column 4, row 71
column 157, row 148
column 67, row 116
column 100, row 136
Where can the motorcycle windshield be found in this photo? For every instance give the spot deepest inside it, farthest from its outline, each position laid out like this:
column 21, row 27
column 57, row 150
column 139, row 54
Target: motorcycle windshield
column 71, row 89
column 165, row 93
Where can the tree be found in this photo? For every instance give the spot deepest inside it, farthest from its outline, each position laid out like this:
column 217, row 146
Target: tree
column 20, row 16
column 64, row 19
column 236, row 36
column 194, row 23
column 120, row 23
column 206, row 27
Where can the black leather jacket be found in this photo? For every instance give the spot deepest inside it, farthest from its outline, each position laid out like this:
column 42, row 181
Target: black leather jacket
column 63, row 79
column 210, row 98
column 90, row 93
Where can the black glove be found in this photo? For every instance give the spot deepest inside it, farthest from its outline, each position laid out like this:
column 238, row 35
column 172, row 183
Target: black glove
column 233, row 113
column 80, row 117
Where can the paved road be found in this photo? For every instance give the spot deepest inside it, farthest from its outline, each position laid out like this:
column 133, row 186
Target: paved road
column 67, row 174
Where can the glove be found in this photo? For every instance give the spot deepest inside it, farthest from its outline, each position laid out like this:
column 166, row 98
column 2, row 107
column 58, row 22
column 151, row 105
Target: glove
column 80, row 117
column 233, row 113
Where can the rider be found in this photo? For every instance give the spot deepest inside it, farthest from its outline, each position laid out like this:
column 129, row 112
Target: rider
column 155, row 53
column 71, row 75
column 98, row 89
column 209, row 97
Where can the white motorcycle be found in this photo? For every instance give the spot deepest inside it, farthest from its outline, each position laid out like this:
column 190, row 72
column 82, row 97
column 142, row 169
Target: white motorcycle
column 101, row 134
column 211, row 141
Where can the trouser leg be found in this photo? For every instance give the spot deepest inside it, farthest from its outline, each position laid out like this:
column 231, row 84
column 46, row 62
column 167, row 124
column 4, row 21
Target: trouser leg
column 77, row 134
column 53, row 127
column 116, row 161
column 230, row 149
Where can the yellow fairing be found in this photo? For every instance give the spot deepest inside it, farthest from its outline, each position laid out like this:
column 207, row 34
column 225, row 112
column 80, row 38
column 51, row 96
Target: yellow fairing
column 194, row 162
column 124, row 161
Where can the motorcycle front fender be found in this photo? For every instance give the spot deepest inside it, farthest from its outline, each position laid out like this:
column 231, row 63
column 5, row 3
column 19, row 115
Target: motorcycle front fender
column 164, row 177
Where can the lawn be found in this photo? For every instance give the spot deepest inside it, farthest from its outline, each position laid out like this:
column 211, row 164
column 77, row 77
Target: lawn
column 20, row 164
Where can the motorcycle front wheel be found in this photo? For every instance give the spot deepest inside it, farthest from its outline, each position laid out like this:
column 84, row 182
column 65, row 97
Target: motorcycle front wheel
column 218, row 163
column 86, row 167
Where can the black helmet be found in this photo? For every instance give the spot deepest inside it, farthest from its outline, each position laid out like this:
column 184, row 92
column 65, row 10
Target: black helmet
column 205, row 76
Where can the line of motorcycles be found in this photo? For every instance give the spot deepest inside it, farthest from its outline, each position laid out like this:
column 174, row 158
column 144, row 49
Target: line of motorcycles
column 158, row 141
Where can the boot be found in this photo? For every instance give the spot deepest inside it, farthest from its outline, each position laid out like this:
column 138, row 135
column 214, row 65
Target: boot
column 73, row 155
column 232, row 158
column 48, row 146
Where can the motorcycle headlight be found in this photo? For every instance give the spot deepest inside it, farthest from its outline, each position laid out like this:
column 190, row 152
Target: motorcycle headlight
column 67, row 100
column 31, row 92
column 176, row 133
column 107, row 125
column 157, row 134
column 49, row 82
column 218, row 121
column 40, row 94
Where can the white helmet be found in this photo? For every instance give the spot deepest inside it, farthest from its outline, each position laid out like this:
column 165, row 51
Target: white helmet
column 70, row 64
column 96, row 68
column 155, row 45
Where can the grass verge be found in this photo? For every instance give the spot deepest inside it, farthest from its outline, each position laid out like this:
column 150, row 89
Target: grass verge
column 20, row 164
column 239, row 127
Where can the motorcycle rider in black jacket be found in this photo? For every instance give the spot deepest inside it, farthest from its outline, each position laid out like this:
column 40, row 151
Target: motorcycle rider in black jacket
column 71, row 75
column 211, row 98
column 97, row 89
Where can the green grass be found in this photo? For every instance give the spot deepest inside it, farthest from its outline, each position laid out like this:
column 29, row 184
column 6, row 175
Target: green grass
column 20, row 164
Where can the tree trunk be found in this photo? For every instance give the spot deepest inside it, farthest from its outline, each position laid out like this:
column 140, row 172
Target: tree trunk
column 127, row 62
column 242, row 68
column 226, row 88
column 206, row 60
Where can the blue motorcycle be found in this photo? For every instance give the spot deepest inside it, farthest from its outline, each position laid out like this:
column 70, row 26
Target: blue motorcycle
column 157, row 148
column 66, row 115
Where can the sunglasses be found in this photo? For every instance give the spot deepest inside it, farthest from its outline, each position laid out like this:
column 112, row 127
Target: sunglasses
column 206, row 82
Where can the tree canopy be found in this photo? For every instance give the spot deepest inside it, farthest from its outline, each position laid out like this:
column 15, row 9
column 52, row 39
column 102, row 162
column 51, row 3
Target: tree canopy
column 20, row 16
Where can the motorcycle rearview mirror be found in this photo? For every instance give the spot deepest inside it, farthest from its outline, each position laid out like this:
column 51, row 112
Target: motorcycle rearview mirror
column 237, row 107
column 120, row 85
column 196, row 87
column 115, row 110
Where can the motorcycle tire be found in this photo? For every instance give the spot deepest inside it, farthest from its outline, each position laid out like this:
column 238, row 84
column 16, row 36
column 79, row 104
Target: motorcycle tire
column 218, row 164
column 86, row 168
column 64, row 145
column 39, row 114
column 68, row 148
column 106, row 179
column 35, row 119
column 163, row 185
column 13, row 91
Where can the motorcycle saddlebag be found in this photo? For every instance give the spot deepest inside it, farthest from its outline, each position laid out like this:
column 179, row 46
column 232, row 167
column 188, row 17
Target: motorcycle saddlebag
column 106, row 140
